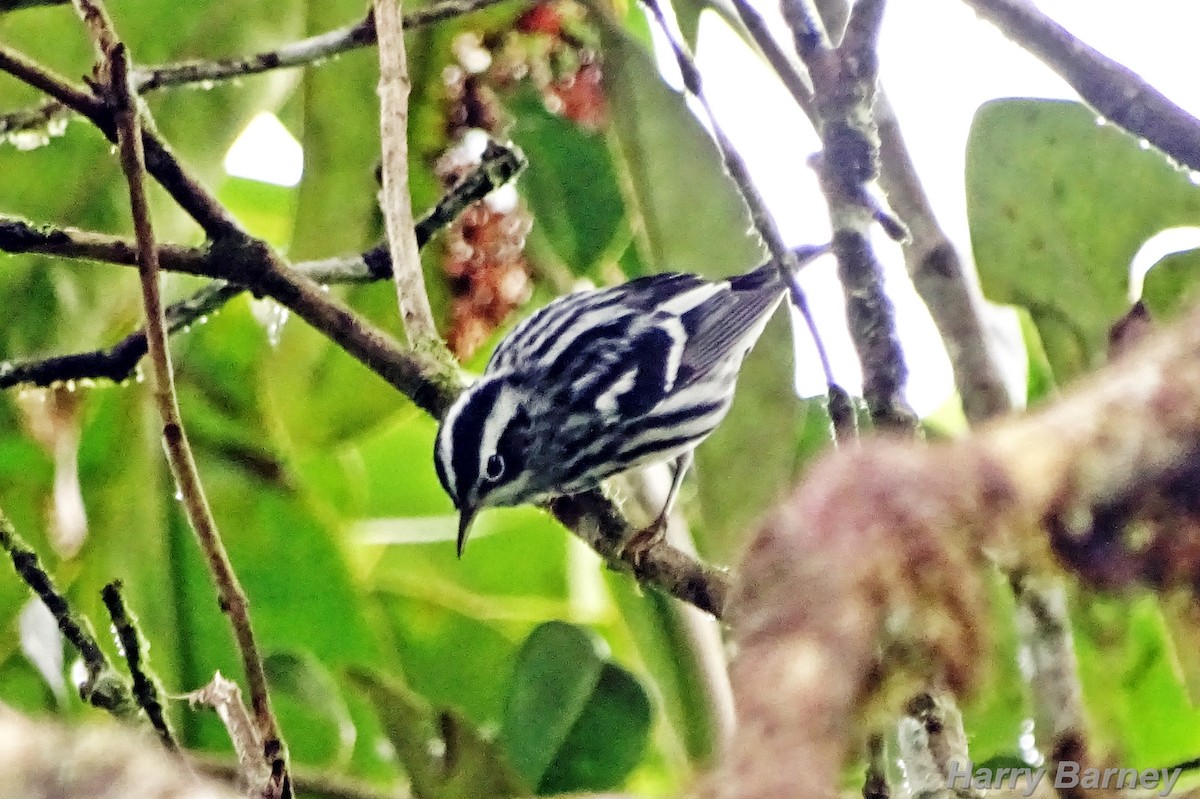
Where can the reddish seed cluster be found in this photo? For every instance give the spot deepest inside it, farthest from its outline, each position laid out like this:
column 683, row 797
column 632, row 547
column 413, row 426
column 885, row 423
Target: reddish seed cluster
column 562, row 65
column 485, row 262
column 488, row 274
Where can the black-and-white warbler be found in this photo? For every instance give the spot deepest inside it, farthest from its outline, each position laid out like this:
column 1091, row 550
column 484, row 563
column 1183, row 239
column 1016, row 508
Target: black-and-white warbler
column 602, row 381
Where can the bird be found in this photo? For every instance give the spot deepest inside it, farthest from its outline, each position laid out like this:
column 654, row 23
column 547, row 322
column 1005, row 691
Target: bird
column 603, row 381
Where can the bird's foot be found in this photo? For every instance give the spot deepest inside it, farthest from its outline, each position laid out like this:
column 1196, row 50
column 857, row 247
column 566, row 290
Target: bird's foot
column 644, row 540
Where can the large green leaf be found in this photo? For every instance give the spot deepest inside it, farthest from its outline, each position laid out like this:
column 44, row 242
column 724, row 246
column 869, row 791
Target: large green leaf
column 1058, row 206
column 570, row 183
column 445, row 756
column 684, row 209
column 573, row 720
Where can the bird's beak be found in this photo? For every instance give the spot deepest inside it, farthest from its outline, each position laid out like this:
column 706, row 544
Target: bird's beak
column 465, row 517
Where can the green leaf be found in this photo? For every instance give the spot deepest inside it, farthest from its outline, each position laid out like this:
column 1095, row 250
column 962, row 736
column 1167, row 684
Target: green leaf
column 608, row 738
column 573, row 720
column 1172, row 285
column 685, row 211
column 570, row 183
column 1129, row 675
column 312, row 707
column 1052, row 225
column 1039, row 380
column 444, row 755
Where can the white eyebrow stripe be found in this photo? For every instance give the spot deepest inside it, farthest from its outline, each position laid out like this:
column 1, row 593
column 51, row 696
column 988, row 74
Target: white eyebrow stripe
column 501, row 413
column 445, row 439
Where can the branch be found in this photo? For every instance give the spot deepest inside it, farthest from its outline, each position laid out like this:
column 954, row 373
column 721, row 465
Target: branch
column 844, row 84
column 104, row 687
column 1059, row 485
column 119, row 362
column 1118, row 93
column 1044, row 632
column 396, row 198
column 231, row 597
column 933, row 747
column 146, row 688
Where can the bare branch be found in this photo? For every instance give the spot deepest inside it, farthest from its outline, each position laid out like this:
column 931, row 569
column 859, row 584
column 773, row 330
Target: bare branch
column 146, row 688
column 844, row 84
column 231, row 596
column 104, row 686
column 1048, row 652
column 1118, row 93
column 933, row 746
column 395, row 197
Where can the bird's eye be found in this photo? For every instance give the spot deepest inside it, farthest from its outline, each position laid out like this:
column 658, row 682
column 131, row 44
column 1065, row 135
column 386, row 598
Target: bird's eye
column 494, row 468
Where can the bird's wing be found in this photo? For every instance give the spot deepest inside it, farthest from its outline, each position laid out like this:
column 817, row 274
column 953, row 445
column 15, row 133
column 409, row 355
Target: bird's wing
column 728, row 322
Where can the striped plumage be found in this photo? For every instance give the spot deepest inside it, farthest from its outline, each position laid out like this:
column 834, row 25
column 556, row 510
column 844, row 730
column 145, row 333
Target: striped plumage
column 600, row 382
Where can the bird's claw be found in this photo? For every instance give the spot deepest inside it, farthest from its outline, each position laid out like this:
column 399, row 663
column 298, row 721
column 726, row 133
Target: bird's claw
column 644, row 540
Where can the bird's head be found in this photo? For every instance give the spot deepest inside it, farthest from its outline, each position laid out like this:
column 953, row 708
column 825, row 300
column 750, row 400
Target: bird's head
column 481, row 450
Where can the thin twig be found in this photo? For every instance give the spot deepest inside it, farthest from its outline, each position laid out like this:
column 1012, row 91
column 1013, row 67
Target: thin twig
column 146, row 689
column 48, row 81
column 119, row 362
column 230, row 594
column 760, row 215
column 1118, row 93
column 104, row 687
column 1048, row 650
column 395, row 198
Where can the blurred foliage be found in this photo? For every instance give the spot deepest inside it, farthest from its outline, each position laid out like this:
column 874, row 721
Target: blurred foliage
column 525, row 665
